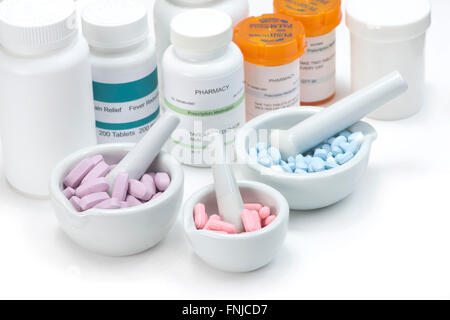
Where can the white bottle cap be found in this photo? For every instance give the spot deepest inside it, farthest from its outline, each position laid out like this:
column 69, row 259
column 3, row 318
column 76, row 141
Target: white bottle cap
column 31, row 27
column 201, row 30
column 388, row 20
column 113, row 24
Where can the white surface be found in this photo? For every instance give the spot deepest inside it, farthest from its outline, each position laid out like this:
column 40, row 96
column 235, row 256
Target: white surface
column 390, row 239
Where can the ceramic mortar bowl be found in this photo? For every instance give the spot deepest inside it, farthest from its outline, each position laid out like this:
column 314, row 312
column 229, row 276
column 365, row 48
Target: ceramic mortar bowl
column 309, row 191
column 120, row 232
column 243, row 252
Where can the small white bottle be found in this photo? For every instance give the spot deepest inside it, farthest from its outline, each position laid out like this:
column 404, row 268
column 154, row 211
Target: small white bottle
column 204, row 83
column 165, row 10
column 124, row 72
column 46, row 90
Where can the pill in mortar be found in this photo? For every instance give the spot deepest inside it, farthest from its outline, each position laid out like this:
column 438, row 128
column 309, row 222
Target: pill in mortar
column 120, row 188
column 76, row 175
column 92, row 186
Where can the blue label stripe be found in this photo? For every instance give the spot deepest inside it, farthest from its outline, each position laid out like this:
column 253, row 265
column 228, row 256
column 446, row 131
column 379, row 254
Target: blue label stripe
column 124, row 92
column 128, row 125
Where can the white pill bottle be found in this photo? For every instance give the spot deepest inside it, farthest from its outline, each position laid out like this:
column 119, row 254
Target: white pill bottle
column 387, row 36
column 125, row 79
column 46, row 100
column 165, row 10
column 204, row 84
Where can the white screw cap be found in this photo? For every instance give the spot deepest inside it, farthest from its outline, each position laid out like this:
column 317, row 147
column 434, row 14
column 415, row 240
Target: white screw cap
column 32, row 27
column 113, row 24
column 202, row 30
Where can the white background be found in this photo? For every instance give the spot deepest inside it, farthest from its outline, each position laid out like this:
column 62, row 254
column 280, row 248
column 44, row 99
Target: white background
column 390, row 239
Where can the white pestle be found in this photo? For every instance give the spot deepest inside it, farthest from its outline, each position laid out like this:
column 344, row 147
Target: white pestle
column 229, row 200
column 341, row 115
column 139, row 159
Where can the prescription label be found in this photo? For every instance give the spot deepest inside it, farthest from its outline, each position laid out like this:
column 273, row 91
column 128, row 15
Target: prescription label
column 318, row 68
column 126, row 104
column 204, row 106
column 271, row 88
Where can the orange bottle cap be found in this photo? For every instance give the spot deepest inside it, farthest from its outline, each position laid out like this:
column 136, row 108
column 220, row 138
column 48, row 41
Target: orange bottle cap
column 319, row 17
column 270, row 40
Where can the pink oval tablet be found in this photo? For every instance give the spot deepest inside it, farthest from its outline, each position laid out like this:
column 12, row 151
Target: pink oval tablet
column 92, row 186
column 251, row 220
column 149, row 183
column 253, row 206
column 162, row 181
column 100, row 170
column 138, row 190
column 75, row 201
column 91, row 200
column 69, row 192
column 97, row 159
column 200, row 216
column 111, row 203
column 269, row 220
column 74, row 178
column 133, row 202
column 264, row 212
column 120, row 188
column 217, row 225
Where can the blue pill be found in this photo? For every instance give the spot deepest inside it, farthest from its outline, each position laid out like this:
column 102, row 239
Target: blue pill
column 345, row 133
column 321, row 153
column 354, row 146
column 302, row 165
column 299, row 157
column 326, row 147
column 291, row 159
column 330, row 165
column 307, row 159
column 266, row 161
column 338, row 141
column 286, row 167
column 317, row 164
column 344, row 146
column 344, row 158
column 275, row 155
column 330, row 141
column 262, row 153
column 300, row 171
column 336, row 151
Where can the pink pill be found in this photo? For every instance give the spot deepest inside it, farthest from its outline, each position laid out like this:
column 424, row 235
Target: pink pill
column 269, row 220
column 264, row 212
column 120, row 188
column 217, row 225
column 73, row 179
column 111, row 203
column 138, row 190
column 251, row 220
column 75, row 201
column 69, row 192
column 253, row 206
column 133, row 202
column 100, row 170
column 149, row 183
column 124, row 205
column 91, row 200
column 92, row 186
column 162, row 181
column 214, row 217
column 97, row 159
column 200, row 216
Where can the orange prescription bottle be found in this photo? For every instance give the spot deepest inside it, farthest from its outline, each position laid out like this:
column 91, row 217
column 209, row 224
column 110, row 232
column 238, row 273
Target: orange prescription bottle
column 318, row 65
column 272, row 45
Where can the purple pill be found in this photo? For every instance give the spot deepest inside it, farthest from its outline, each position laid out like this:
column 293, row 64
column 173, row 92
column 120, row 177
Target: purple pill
column 75, row 201
column 120, row 188
column 149, row 183
column 92, row 186
column 162, row 181
column 91, row 200
column 69, row 192
column 97, row 159
column 74, row 178
column 138, row 190
column 109, row 204
column 100, row 170
column 133, row 202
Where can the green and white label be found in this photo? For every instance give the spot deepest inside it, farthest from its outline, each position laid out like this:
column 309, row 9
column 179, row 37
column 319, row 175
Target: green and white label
column 126, row 104
column 204, row 106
